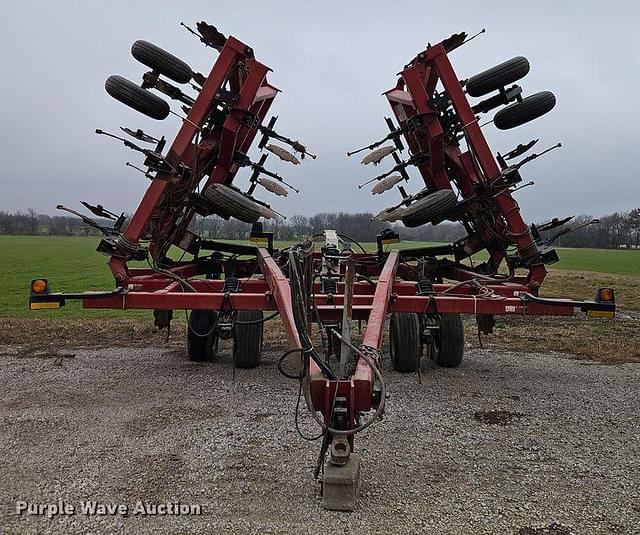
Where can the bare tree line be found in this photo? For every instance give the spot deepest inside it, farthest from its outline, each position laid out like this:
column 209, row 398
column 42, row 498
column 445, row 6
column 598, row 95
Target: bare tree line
column 614, row 231
column 357, row 226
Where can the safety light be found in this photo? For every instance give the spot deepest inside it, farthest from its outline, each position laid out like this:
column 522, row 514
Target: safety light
column 39, row 286
column 40, row 298
column 605, row 295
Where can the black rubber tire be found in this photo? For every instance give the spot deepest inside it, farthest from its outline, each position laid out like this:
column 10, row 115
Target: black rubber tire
column 161, row 61
column 449, row 341
column 137, row 98
column 499, row 76
column 202, row 340
column 429, row 208
column 405, row 341
column 530, row 108
column 230, row 202
column 247, row 339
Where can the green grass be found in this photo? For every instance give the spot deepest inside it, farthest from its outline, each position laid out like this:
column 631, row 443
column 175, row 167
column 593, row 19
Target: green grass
column 621, row 262
column 72, row 264
column 600, row 260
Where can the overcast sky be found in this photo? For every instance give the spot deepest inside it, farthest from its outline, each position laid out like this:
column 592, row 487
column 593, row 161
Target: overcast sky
column 332, row 61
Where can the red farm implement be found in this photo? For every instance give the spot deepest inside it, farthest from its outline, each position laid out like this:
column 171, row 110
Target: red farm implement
column 423, row 291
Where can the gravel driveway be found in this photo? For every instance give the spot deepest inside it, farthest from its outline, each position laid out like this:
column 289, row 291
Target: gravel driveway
column 507, row 443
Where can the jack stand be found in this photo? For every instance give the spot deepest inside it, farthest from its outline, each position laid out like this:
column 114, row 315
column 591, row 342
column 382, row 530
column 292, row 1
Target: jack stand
column 341, row 484
column 341, row 481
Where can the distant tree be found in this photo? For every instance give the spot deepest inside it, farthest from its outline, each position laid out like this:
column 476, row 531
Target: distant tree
column 33, row 220
column 614, row 230
column 58, row 226
column 634, row 225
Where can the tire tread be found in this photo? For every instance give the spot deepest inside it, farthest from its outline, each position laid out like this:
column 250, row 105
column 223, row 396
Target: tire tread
column 247, row 339
column 528, row 109
column 429, row 208
column 405, row 341
column 450, row 341
column 496, row 77
column 232, row 203
column 201, row 348
column 160, row 60
column 137, row 98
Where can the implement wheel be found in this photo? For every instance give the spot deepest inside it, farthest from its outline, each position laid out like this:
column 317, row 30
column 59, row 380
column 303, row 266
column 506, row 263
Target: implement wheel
column 229, row 202
column 202, row 339
column 530, row 108
column 247, row 338
column 496, row 77
column 137, row 98
column 405, row 341
column 161, row 61
column 429, row 208
column 448, row 345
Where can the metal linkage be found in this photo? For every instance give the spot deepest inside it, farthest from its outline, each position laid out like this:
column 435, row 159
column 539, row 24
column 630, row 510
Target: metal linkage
column 212, row 144
column 434, row 117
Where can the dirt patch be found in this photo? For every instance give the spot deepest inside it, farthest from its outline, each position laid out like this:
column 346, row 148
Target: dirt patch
column 585, row 284
column 497, row 417
column 55, row 333
column 614, row 341
column 609, row 341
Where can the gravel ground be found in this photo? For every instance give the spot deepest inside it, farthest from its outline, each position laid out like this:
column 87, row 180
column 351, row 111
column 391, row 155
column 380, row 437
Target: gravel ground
column 560, row 456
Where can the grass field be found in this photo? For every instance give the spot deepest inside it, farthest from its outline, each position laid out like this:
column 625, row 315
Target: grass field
column 600, row 261
column 72, row 264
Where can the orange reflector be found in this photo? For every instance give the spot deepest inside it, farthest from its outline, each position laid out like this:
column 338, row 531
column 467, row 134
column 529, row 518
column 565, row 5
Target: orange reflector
column 605, row 294
column 39, row 286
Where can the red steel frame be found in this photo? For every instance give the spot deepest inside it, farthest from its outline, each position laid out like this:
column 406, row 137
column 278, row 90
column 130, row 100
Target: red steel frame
column 410, row 98
column 395, row 289
column 237, row 68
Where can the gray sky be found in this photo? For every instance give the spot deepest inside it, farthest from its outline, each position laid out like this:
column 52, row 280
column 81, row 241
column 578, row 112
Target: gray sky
column 332, row 61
